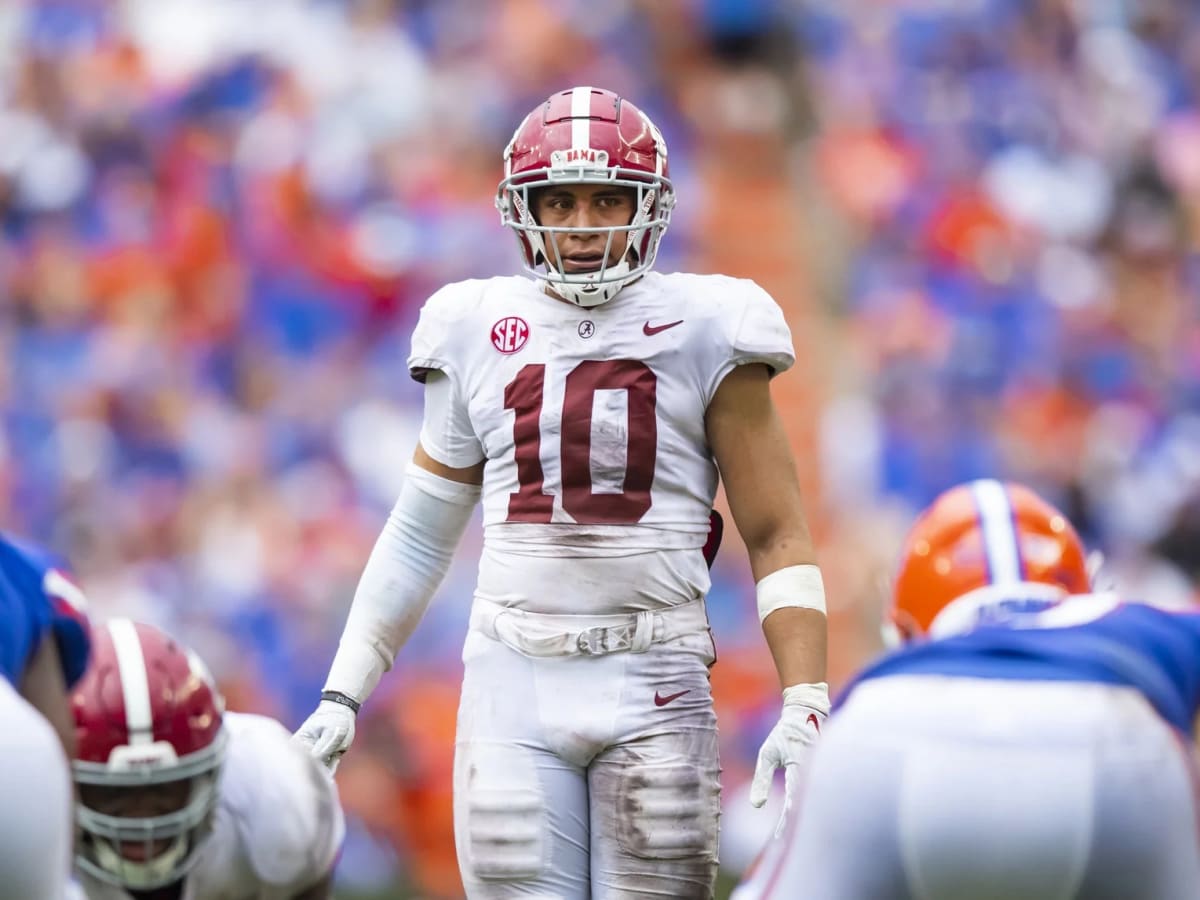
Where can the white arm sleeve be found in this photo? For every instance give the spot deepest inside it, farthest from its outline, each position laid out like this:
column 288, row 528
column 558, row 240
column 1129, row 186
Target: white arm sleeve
column 408, row 562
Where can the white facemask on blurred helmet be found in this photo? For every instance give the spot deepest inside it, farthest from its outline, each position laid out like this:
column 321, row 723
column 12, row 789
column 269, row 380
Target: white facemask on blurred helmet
column 148, row 722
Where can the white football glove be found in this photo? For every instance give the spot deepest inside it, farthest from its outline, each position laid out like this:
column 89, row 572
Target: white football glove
column 327, row 733
column 805, row 707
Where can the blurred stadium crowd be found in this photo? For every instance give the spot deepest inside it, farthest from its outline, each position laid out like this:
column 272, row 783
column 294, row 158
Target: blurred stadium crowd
column 218, row 219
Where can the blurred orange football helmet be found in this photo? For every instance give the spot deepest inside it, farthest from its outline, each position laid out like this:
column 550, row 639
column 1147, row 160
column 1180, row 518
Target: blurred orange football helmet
column 980, row 545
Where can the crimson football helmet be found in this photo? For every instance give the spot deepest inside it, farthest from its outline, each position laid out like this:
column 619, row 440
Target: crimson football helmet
column 979, row 549
column 587, row 135
column 151, row 742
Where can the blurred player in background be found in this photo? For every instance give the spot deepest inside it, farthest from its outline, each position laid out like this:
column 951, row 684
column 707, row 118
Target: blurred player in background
column 180, row 800
column 592, row 405
column 1030, row 740
column 43, row 651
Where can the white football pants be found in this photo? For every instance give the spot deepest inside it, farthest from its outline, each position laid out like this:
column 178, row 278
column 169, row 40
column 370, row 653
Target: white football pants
column 932, row 788
column 35, row 793
column 587, row 776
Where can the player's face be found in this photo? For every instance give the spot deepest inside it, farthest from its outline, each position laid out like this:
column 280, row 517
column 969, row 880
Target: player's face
column 585, row 206
column 142, row 803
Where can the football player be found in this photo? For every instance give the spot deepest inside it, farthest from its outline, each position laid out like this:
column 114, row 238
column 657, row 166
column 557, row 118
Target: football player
column 43, row 651
column 181, row 800
column 1030, row 740
column 592, row 404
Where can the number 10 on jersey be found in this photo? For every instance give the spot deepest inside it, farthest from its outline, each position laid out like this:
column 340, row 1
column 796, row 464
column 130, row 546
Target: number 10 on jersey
column 525, row 395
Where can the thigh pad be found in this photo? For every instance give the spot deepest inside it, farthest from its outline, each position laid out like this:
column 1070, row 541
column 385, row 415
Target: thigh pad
column 501, row 811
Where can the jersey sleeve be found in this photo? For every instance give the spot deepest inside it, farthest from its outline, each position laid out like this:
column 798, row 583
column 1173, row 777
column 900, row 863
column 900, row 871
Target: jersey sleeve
column 446, row 431
column 287, row 807
column 433, row 337
column 756, row 332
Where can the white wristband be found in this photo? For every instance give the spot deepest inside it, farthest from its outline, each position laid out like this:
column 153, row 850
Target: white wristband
column 810, row 696
column 799, row 586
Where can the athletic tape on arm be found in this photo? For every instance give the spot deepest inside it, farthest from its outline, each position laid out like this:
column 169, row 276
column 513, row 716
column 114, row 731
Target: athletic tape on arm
column 799, row 586
column 408, row 562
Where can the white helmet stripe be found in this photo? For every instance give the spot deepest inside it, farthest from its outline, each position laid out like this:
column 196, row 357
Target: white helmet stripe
column 581, row 123
column 999, row 531
column 134, row 685
column 660, row 146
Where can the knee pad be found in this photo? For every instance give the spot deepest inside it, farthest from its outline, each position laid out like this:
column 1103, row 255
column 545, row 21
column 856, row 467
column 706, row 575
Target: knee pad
column 500, row 813
column 668, row 811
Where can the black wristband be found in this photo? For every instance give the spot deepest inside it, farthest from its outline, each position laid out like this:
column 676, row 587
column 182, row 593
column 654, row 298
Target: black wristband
column 344, row 699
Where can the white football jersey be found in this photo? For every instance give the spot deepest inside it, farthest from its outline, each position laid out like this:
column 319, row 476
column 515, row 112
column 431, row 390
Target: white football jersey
column 278, row 825
column 592, row 425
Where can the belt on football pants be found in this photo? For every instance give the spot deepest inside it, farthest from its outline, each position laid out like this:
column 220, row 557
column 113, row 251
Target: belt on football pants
column 542, row 634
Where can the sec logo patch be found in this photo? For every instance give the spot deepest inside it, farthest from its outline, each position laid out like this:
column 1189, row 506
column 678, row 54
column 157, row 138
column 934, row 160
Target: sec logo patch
column 510, row 334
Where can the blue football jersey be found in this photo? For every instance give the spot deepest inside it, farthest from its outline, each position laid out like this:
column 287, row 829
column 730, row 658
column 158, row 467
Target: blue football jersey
column 38, row 600
column 1087, row 638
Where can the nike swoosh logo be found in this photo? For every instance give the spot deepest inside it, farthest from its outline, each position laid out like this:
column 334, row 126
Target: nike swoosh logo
column 814, row 721
column 650, row 330
column 660, row 700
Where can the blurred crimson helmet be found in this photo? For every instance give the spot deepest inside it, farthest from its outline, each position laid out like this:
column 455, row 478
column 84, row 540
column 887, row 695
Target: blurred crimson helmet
column 979, row 546
column 586, row 135
column 148, row 721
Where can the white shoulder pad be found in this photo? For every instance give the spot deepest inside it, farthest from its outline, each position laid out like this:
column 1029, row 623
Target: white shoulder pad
column 759, row 333
column 747, row 327
column 435, row 327
column 284, row 802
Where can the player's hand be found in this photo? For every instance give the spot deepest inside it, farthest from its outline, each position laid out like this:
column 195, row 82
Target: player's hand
column 327, row 733
column 805, row 707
